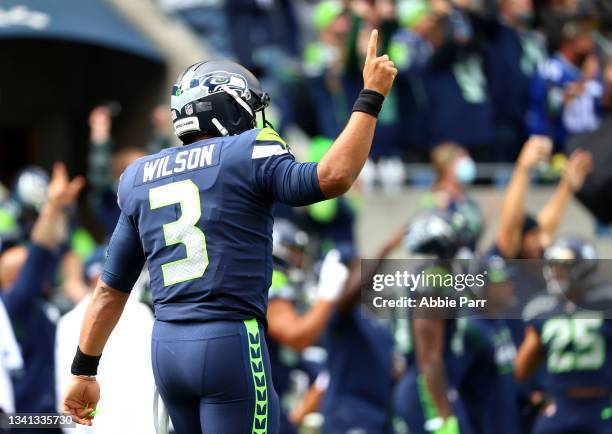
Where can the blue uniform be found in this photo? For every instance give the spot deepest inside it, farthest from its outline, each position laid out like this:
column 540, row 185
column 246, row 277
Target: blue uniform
column 550, row 115
column 412, row 400
column 360, row 363
column 282, row 359
column 486, row 384
column 201, row 217
column 578, row 348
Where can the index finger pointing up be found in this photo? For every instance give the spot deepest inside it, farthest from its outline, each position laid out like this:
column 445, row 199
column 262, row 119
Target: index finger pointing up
column 371, row 54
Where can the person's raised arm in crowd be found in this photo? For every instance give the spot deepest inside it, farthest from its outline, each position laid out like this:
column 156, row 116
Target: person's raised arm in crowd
column 508, row 239
column 577, row 168
column 102, row 198
column 22, row 280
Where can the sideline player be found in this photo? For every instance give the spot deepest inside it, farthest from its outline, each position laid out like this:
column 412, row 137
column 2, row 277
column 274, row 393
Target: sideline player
column 570, row 333
column 200, row 215
column 291, row 330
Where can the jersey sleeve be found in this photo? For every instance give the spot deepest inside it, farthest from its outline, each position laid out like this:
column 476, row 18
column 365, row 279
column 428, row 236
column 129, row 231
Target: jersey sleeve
column 125, row 256
column 278, row 176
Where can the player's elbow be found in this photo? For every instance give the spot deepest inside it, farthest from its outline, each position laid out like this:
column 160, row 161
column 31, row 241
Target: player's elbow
column 335, row 182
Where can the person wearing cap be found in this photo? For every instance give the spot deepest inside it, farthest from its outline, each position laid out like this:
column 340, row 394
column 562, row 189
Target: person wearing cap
column 129, row 342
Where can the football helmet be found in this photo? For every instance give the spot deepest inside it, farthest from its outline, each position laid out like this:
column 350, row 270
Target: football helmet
column 218, row 98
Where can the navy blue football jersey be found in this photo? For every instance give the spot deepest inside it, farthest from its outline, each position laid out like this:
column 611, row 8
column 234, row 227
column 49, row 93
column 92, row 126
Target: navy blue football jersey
column 577, row 342
column 486, row 383
column 200, row 215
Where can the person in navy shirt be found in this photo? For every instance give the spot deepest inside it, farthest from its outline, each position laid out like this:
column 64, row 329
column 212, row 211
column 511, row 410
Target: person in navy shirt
column 485, row 381
column 289, row 329
column 200, row 215
column 569, row 337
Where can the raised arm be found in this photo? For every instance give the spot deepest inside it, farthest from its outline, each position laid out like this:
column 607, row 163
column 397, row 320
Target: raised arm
column 297, row 331
column 47, row 233
column 508, row 237
column 342, row 163
column 578, row 167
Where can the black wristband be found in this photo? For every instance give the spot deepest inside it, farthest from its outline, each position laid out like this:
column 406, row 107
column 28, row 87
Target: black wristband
column 84, row 364
column 369, row 101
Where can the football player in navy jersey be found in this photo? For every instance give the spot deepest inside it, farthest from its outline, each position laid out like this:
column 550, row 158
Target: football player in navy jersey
column 289, row 330
column 425, row 397
column 569, row 335
column 200, row 216
column 485, row 381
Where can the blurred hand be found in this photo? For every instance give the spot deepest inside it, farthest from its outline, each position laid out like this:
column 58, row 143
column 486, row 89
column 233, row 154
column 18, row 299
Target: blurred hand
column 62, row 191
column 536, row 150
column 332, row 277
column 578, row 166
column 100, row 125
column 81, row 399
column 378, row 72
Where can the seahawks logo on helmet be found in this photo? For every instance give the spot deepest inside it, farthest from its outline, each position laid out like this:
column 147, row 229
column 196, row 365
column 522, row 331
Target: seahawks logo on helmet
column 216, row 81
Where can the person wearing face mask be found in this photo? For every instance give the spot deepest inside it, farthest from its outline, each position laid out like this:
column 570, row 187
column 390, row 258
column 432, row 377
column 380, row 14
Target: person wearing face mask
column 455, row 170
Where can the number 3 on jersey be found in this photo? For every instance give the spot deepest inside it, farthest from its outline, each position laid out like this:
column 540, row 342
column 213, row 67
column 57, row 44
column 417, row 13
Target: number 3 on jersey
column 184, row 230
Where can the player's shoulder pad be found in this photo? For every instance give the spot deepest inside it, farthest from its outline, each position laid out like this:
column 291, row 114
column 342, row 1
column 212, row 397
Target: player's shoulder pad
column 540, row 307
column 268, row 143
column 268, row 134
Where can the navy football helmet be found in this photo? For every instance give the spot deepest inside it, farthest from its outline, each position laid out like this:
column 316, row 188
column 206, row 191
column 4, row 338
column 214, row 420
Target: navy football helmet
column 217, row 98
column 433, row 234
column 569, row 263
column 287, row 240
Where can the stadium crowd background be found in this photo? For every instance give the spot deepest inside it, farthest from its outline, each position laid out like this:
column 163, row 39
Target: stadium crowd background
column 477, row 79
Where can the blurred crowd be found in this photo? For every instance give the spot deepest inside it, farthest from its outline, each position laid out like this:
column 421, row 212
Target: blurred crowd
column 485, row 74
column 480, row 81
column 335, row 369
